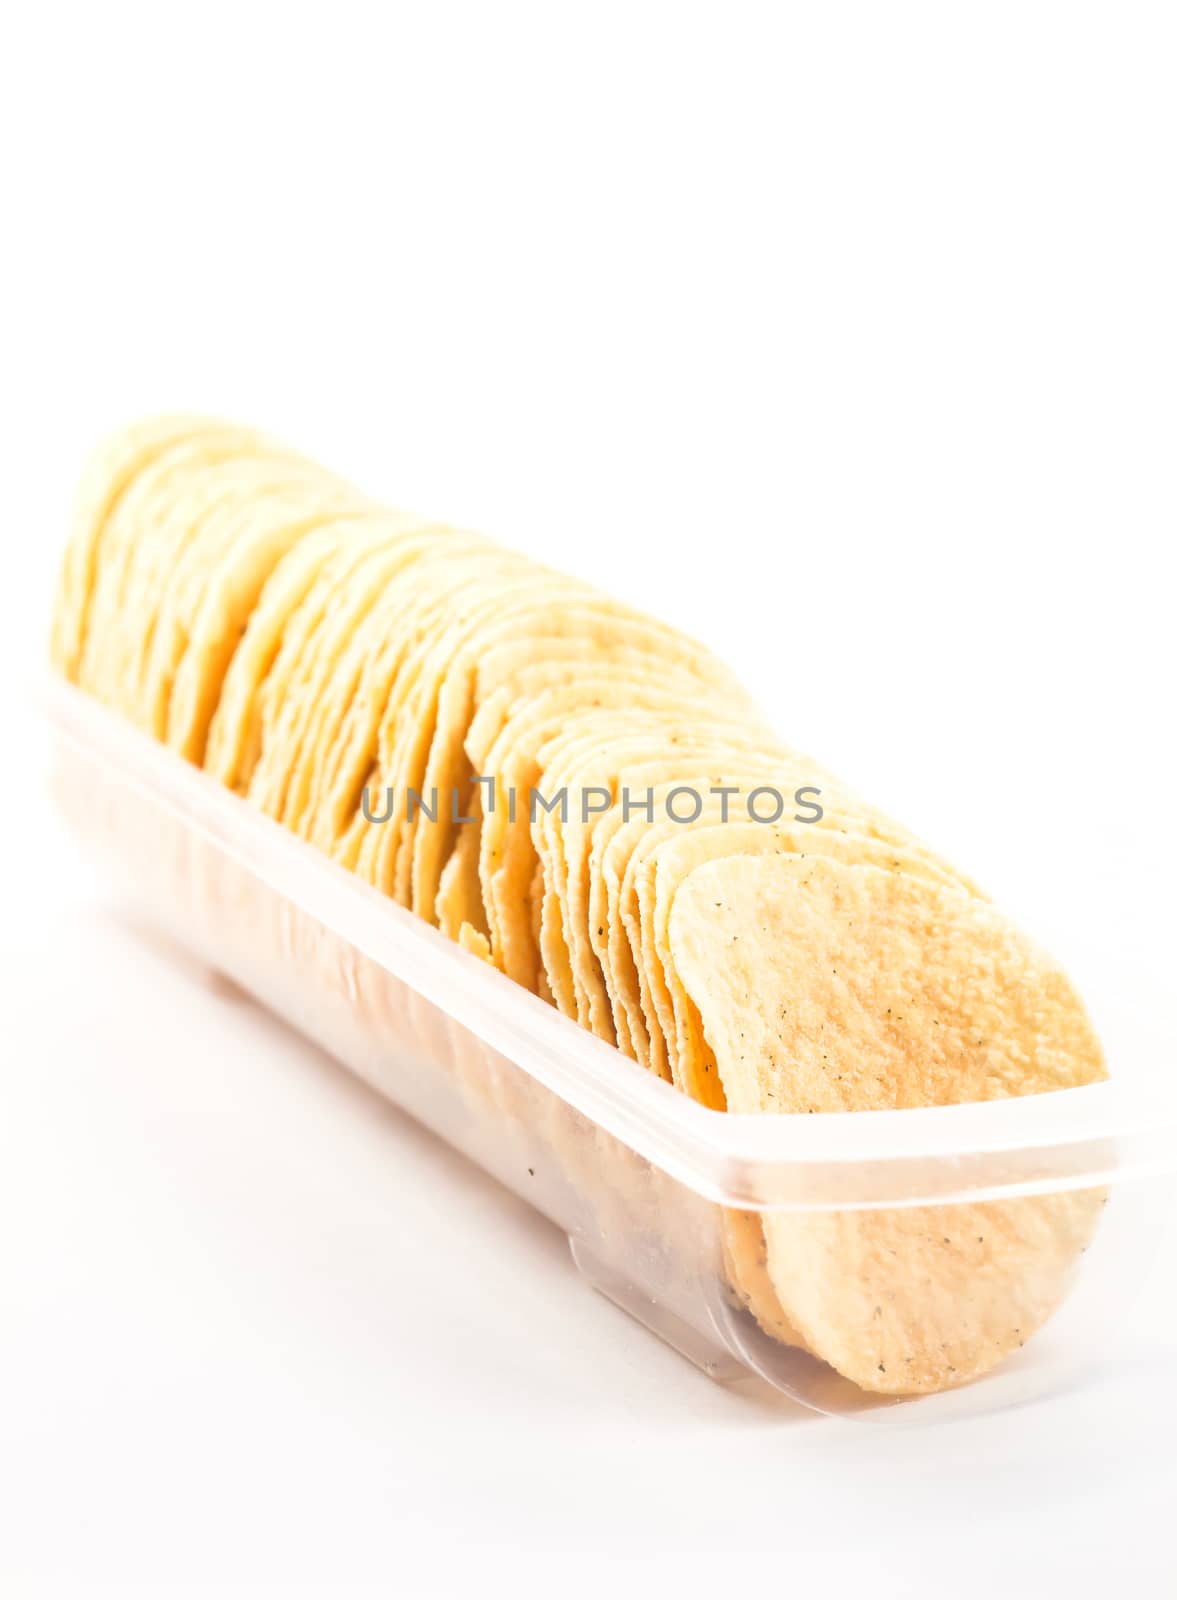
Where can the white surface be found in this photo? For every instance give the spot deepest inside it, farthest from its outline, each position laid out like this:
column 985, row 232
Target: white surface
column 844, row 337
column 257, row 1330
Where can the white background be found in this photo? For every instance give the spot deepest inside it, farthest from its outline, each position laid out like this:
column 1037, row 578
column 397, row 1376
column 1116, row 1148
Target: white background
column 844, row 336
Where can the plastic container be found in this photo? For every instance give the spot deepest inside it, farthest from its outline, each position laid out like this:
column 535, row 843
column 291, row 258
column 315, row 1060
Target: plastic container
column 650, row 1187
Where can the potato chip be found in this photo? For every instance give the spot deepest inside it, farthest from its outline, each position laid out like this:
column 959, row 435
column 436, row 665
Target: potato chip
column 234, row 739
column 110, row 472
column 302, row 693
column 507, row 675
column 824, row 986
column 508, row 859
column 548, row 645
column 488, row 610
column 175, row 490
column 218, row 576
column 347, row 707
column 656, row 878
column 589, row 759
column 383, row 753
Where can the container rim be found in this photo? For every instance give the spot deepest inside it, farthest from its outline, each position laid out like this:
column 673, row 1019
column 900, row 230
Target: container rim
column 1069, row 1138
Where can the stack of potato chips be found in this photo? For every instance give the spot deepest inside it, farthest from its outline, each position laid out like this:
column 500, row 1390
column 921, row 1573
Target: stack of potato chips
column 589, row 801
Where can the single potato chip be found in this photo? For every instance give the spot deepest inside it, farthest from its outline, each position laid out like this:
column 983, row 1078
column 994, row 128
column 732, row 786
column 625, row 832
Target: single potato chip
column 824, row 986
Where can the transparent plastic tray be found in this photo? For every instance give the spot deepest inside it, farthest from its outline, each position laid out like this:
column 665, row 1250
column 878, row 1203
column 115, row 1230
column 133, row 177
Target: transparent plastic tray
column 650, row 1187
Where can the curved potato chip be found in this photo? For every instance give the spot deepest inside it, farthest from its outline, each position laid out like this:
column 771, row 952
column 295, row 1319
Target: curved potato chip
column 824, row 986
column 108, row 474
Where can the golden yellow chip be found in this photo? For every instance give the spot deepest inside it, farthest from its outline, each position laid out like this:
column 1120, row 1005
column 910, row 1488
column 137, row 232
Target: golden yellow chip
column 590, row 760
column 384, row 758
column 234, row 739
column 519, row 652
column 824, row 986
column 336, row 631
column 349, row 672
column 508, row 857
column 172, row 492
column 112, row 469
column 217, row 579
column 503, row 601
